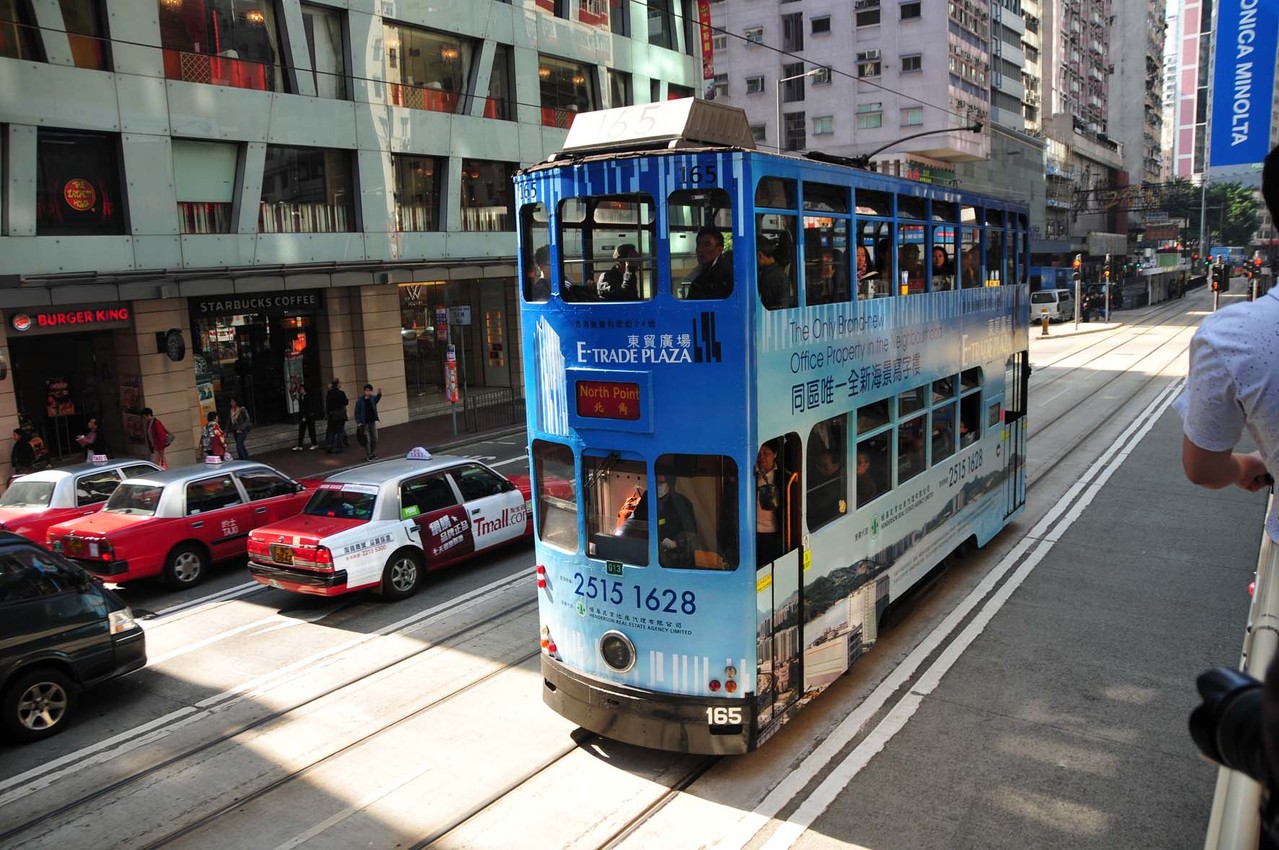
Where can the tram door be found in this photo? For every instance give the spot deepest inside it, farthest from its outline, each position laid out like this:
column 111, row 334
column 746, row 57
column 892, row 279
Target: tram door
column 778, row 580
column 1016, row 382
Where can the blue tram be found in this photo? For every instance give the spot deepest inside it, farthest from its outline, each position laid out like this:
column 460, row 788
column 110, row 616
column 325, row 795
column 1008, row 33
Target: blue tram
column 766, row 395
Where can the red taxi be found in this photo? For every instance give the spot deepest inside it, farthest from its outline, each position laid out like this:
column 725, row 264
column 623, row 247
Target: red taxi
column 178, row 522
column 382, row 525
column 35, row 501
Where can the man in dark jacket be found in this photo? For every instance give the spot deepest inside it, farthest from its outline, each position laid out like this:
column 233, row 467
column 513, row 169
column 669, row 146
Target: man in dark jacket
column 773, row 289
column 366, row 418
column 306, row 418
column 335, row 411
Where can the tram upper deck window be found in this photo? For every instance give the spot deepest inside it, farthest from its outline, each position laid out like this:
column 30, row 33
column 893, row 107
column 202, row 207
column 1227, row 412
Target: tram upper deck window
column 535, row 251
column 775, row 260
column 875, row 258
column 943, row 258
column 820, row 197
column 910, row 257
column 607, row 248
column 911, row 207
column 555, row 486
column 696, row 512
column 995, row 265
column 776, row 193
column 700, row 224
column 617, row 514
column 825, row 260
column 970, row 274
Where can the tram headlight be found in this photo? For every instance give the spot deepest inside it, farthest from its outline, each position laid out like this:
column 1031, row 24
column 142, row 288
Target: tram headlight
column 617, row 651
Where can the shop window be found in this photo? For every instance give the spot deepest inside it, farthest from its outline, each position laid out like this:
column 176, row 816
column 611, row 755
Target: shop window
column 488, row 204
column 222, row 42
column 700, row 228
column 326, row 46
column 617, row 529
column 566, row 89
column 78, row 184
column 556, row 494
column 501, row 100
column 695, row 512
column 204, row 178
column 86, row 34
column 426, row 70
column 19, row 38
column 827, row 471
column 417, row 192
column 495, row 338
column 535, row 252
column 607, row 246
column 307, row 190
column 674, row 92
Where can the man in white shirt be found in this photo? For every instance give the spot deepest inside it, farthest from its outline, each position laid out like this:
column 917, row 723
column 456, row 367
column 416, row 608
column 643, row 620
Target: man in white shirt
column 1233, row 385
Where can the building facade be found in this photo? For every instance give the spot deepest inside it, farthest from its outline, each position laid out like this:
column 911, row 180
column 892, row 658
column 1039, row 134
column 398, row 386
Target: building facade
column 206, row 199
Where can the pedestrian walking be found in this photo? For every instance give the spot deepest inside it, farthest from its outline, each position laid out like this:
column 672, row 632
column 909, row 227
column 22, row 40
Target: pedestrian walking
column 366, row 420
column 241, row 425
column 306, row 418
column 157, row 436
column 335, row 403
column 90, row 441
column 212, row 440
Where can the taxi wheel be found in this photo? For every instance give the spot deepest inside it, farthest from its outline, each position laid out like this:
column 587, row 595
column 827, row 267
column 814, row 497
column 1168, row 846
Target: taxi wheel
column 402, row 575
column 37, row 704
column 186, row 566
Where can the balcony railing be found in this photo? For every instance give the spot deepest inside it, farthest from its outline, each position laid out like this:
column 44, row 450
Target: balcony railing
column 486, row 218
column 421, row 97
column 195, row 217
column 561, row 119
column 286, row 217
column 214, row 70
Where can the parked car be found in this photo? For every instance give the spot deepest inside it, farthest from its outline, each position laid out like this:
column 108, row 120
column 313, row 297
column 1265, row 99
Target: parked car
column 1057, row 304
column 60, row 632
column 35, row 501
column 381, row 526
column 179, row 522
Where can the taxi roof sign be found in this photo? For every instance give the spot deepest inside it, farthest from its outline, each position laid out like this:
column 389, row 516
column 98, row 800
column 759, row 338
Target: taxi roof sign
column 686, row 122
column 419, row 453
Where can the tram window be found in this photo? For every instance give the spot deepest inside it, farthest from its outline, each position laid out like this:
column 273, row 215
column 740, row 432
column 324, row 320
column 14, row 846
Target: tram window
column 910, row 207
column 872, row 416
column 943, row 262
column 536, row 252
column 968, row 215
column 942, row 428
column 910, row 258
column 777, row 498
column 776, row 193
column 995, row 218
column 910, row 401
column 554, row 483
column 875, row 259
column 872, row 468
column 697, row 512
column 700, row 224
column 617, row 512
column 775, row 260
column 872, row 202
column 607, row 248
column 827, row 472
column 994, row 413
column 969, row 258
column 825, row 260
column 969, row 419
column 943, row 389
column 910, row 448
column 943, row 211
column 821, row 197
column 969, row 379
column 994, row 257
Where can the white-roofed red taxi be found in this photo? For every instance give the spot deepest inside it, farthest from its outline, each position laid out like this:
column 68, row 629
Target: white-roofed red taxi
column 382, row 525
column 179, row 522
column 37, row 500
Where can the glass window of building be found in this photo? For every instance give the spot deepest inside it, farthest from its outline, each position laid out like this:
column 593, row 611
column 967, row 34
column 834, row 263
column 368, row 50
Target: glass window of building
column 222, row 42
column 566, row 89
column 593, row 13
column 424, row 69
column 695, row 510
column 617, row 515
column 488, row 203
column 688, row 14
column 417, row 192
column 78, row 189
column 204, row 177
column 19, row 38
column 501, row 98
column 619, row 17
column 620, row 89
column 326, row 45
column 307, row 190
column 87, row 34
column 661, row 23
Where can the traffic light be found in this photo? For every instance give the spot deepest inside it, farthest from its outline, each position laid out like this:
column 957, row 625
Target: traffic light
column 1078, row 266
column 1106, row 271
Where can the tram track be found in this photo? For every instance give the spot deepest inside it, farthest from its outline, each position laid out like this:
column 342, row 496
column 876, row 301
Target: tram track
column 11, row 834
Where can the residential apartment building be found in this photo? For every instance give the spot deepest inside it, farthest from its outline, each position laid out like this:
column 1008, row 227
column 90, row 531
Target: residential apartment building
column 215, row 198
column 1136, row 89
column 1189, row 117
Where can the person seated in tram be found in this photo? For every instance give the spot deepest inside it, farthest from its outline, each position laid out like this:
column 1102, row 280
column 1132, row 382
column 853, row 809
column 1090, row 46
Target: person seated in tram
column 774, row 290
column 713, row 277
column 831, row 285
column 867, row 275
column 538, row 284
column 621, row 282
column 676, row 523
column 943, row 269
column 867, row 486
column 970, row 277
column 912, row 267
column 824, row 503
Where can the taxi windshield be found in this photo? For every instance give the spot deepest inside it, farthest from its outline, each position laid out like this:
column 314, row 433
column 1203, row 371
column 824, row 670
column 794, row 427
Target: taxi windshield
column 135, row 499
column 28, row 494
column 344, row 503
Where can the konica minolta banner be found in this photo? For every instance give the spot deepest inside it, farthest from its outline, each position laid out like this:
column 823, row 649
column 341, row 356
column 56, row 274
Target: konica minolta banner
column 1244, row 82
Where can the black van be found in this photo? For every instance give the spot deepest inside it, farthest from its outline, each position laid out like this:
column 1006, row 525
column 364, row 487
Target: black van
column 60, row 632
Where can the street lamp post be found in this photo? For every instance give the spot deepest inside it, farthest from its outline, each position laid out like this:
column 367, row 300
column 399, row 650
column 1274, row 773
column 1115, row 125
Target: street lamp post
column 810, row 73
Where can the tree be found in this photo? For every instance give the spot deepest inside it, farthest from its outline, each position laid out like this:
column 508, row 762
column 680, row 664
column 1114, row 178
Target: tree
column 1233, row 211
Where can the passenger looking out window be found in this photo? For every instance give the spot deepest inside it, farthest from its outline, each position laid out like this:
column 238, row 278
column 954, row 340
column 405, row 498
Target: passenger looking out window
column 700, row 251
column 772, row 280
column 712, row 277
column 621, row 282
column 943, row 269
column 696, row 511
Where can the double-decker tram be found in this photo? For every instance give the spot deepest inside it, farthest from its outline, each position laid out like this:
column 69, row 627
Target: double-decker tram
column 766, row 395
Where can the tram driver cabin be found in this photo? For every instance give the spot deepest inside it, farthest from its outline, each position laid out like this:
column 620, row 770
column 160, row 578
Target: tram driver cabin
column 767, row 395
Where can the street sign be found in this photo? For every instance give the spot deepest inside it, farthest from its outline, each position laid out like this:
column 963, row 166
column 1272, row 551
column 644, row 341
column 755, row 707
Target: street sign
column 460, row 315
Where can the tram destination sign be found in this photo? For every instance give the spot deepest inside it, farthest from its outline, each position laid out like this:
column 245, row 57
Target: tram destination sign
column 608, row 400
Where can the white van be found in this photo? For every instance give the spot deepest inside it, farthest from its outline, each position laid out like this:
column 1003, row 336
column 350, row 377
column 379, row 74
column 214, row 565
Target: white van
column 1057, row 304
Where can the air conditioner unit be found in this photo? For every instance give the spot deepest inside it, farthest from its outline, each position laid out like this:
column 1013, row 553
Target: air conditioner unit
column 868, row 56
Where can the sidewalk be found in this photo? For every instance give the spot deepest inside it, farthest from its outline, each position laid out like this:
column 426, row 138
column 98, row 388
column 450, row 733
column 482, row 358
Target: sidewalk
column 434, row 433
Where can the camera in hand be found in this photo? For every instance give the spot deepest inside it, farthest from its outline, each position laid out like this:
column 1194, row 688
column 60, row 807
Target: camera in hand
column 1227, row 726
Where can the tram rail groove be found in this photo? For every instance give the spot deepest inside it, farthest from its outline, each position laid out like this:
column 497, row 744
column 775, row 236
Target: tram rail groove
column 111, row 788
